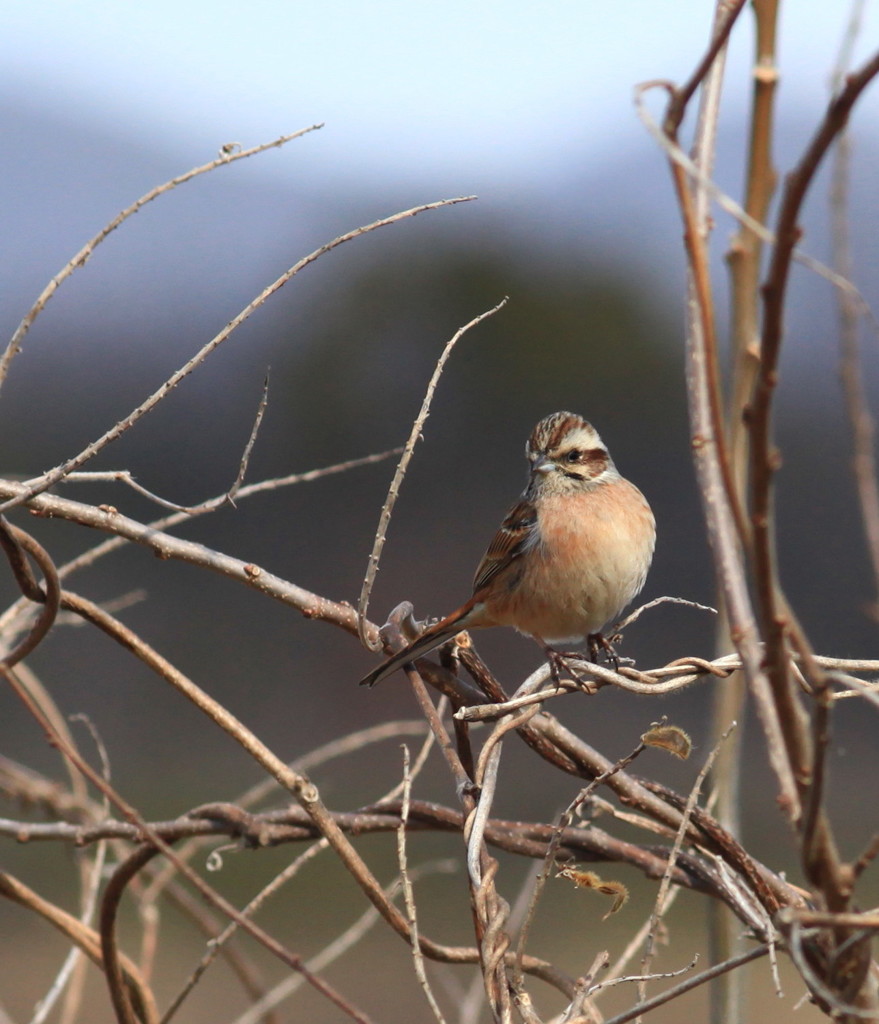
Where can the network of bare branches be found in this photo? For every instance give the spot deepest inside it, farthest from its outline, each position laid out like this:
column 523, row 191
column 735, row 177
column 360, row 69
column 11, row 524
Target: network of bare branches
column 680, row 840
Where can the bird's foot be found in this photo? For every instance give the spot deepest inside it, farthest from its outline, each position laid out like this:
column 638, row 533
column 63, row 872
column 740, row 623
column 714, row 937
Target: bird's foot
column 562, row 669
column 563, row 663
column 598, row 644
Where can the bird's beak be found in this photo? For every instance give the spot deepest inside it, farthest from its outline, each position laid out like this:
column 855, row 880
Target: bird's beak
column 542, row 465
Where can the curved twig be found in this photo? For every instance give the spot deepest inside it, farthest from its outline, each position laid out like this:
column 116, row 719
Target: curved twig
column 16, row 543
column 85, row 253
column 85, row 939
column 119, row 993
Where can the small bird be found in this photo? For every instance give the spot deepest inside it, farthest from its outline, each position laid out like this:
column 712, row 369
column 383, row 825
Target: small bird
column 568, row 557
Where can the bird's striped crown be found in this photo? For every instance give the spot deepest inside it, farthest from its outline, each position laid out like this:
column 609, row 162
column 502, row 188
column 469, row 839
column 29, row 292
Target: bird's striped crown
column 571, row 444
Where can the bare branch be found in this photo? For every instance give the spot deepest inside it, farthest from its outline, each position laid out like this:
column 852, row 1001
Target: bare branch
column 636, row 614
column 724, row 517
column 565, row 819
column 685, row 986
column 166, row 546
column 777, row 619
column 74, row 957
column 303, row 790
column 158, row 844
column 42, row 483
column 217, row 943
column 85, row 253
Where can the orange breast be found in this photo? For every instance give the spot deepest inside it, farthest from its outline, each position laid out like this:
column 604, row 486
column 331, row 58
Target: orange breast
column 591, row 560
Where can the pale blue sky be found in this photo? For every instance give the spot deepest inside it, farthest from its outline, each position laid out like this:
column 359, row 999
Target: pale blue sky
column 405, row 88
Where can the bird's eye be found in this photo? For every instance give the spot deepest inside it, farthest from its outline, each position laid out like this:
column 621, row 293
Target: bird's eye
column 573, row 456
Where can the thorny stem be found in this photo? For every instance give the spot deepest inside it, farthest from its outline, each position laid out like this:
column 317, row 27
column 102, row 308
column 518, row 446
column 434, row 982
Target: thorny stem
column 366, row 637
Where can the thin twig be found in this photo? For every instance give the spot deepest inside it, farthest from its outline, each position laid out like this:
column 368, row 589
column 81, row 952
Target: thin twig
column 581, row 1001
column 408, row 450
column 674, row 853
column 565, row 819
column 685, row 986
column 653, row 682
column 340, row 945
column 635, row 943
column 85, row 253
column 165, row 545
column 523, row 838
column 346, row 745
column 45, row 1006
column 251, row 441
column 299, row 785
column 160, row 844
column 636, row 614
column 88, row 558
column 780, row 627
column 730, row 206
column 725, row 19
column 123, row 476
column 727, row 530
column 85, row 938
column 744, row 262
column 409, row 895
column 92, row 881
column 778, row 622
column 628, row 979
column 217, row 942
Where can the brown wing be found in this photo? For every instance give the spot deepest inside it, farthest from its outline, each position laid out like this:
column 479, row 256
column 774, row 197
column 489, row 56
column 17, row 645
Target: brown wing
column 515, row 535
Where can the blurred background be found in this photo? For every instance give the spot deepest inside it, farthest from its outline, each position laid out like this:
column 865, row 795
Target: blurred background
column 530, row 107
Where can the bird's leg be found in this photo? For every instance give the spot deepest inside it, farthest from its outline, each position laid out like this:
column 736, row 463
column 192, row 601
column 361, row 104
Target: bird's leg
column 558, row 662
column 598, row 642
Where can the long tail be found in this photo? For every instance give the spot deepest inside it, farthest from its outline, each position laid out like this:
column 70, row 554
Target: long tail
column 430, row 639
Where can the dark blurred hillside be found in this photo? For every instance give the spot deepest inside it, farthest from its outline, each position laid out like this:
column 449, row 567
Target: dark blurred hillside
column 351, row 344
